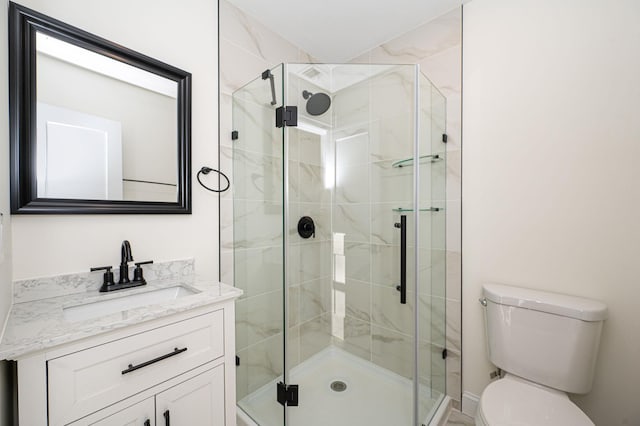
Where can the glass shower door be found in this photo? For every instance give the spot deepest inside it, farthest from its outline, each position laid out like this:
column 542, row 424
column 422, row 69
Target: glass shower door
column 258, row 227
column 351, row 287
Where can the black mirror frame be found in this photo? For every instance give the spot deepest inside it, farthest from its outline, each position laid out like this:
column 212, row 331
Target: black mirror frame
column 23, row 23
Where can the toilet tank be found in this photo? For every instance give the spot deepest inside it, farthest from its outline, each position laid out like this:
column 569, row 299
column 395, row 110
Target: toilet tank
column 547, row 338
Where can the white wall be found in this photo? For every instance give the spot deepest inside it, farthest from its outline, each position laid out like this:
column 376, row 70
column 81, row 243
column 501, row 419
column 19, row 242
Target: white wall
column 551, row 179
column 5, row 245
column 183, row 34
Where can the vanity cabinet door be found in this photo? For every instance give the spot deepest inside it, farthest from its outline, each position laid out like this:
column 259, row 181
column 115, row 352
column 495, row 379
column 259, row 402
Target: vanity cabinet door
column 197, row 401
column 140, row 414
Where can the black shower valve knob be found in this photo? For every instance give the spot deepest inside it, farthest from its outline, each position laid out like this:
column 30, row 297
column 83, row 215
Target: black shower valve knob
column 306, row 227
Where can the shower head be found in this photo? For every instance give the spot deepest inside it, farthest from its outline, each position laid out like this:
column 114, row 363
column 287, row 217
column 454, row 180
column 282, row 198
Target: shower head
column 317, row 103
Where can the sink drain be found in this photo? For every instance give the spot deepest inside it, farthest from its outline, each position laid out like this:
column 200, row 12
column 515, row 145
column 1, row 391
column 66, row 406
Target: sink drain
column 338, row 386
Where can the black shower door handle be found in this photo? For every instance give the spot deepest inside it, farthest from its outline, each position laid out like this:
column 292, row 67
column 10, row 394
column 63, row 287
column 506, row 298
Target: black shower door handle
column 403, row 258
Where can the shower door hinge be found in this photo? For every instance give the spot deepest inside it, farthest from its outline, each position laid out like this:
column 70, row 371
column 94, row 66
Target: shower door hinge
column 287, row 116
column 444, row 137
column 444, row 354
column 288, row 394
column 234, row 135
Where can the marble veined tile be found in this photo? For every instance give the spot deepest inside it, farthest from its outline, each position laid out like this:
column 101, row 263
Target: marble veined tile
column 454, row 375
column 251, row 35
column 257, row 176
column 390, row 183
column 258, row 270
column 258, row 318
column 242, row 377
column 314, row 298
column 353, row 220
column 394, row 351
column 391, row 137
column 226, row 119
column 315, row 335
column 352, row 146
column 357, row 261
column 388, row 312
column 454, row 327
column 264, row 362
column 350, row 106
column 358, row 299
column 247, row 66
column 454, row 275
column 355, row 336
column 392, row 93
column 226, row 267
column 444, row 70
column 352, row 184
column 253, row 119
column 257, row 223
column 308, row 261
column 428, row 39
column 314, row 187
column 225, row 162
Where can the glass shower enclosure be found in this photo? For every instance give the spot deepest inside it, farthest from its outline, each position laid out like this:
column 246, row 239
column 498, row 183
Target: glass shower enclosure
column 339, row 245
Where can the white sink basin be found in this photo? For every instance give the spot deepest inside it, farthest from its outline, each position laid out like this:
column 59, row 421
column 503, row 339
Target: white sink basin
column 110, row 306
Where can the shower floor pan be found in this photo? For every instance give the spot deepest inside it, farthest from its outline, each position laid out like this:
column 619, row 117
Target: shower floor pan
column 373, row 396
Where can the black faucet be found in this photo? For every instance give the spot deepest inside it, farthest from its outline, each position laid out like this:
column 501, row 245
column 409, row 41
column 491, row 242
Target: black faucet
column 123, row 281
column 125, row 256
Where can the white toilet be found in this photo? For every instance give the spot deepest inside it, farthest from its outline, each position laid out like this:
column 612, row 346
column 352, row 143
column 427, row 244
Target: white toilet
column 547, row 344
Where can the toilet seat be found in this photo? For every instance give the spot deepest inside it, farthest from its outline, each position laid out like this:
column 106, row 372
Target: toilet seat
column 513, row 401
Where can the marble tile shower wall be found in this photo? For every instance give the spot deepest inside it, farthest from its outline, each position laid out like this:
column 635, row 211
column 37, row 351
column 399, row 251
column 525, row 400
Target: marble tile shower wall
column 437, row 47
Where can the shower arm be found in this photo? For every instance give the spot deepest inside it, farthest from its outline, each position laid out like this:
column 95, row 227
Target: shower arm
column 267, row 75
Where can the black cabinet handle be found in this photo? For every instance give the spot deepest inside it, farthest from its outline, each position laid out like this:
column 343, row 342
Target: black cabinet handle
column 403, row 258
column 132, row 367
column 147, row 422
column 167, row 421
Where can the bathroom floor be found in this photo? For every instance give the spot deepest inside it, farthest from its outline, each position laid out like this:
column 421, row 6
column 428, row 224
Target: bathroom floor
column 456, row 418
column 373, row 396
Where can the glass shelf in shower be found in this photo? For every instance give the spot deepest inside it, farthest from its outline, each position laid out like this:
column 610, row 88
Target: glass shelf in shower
column 409, row 161
column 428, row 209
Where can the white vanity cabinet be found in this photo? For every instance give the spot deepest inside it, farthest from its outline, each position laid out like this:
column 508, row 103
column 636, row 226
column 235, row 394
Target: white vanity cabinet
column 140, row 414
column 196, row 401
column 177, row 370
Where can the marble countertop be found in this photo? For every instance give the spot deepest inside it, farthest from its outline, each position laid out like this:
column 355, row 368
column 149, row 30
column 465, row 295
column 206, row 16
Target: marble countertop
column 41, row 324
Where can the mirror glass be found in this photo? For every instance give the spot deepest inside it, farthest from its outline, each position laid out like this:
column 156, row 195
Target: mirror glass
column 106, row 130
column 97, row 127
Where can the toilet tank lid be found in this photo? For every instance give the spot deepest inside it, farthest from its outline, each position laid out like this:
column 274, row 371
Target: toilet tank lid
column 554, row 303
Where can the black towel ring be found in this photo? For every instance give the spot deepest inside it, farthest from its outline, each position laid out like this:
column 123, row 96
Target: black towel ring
column 205, row 171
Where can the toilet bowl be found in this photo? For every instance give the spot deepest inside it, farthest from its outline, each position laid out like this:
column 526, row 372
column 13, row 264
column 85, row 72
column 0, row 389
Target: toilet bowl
column 512, row 401
column 547, row 344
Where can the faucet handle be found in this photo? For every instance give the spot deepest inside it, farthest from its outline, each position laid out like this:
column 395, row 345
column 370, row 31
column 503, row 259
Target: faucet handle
column 107, row 278
column 101, row 268
column 137, row 273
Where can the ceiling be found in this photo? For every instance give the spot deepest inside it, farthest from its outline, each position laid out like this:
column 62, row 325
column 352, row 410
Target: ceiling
column 339, row 30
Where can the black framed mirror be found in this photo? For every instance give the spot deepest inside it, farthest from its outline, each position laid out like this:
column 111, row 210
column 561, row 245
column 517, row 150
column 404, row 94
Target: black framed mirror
column 95, row 127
